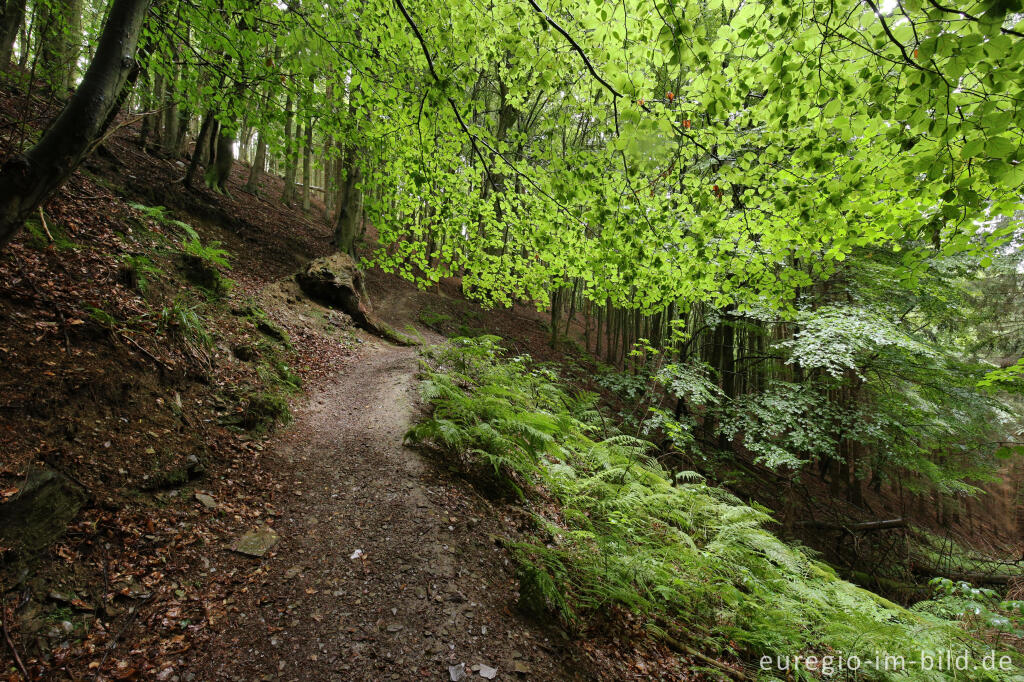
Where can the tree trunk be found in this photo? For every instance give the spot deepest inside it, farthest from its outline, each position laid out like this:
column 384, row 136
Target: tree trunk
column 256, row 172
column 220, row 170
column 184, row 119
column 145, row 103
column 26, row 32
column 201, row 145
column 169, row 141
column 288, row 195
column 10, row 23
column 72, row 43
column 158, row 106
column 210, row 148
column 57, row 25
column 28, row 179
column 349, row 207
column 307, row 165
column 556, row 310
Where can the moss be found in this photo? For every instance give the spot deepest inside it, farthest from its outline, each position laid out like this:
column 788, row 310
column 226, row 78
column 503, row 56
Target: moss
column 38, row 515
column 264, row 410
column 175, row 477
column 205, row 275
column 263, row 324
column 433, row 319
column 57, row 237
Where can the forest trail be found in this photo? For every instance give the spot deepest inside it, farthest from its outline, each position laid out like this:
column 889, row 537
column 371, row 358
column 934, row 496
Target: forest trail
column 431, row 590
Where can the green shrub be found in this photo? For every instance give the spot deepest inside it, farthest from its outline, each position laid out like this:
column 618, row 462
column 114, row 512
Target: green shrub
column 210, row 252
column 199, row 261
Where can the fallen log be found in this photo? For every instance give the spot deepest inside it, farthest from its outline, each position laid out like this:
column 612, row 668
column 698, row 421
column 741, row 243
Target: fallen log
column 1001, row 580
column 860, row 527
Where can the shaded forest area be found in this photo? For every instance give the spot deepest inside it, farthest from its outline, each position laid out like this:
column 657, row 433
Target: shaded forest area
column 719, row 310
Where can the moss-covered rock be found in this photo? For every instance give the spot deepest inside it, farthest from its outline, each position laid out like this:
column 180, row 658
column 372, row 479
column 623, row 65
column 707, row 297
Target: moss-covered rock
column 39, row 513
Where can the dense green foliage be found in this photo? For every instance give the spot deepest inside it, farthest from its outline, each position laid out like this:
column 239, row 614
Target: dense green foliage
column 657, row 153
column 622, row 532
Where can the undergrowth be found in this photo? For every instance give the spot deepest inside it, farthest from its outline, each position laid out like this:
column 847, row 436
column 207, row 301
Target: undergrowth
column 200, row 262
column 614, row 530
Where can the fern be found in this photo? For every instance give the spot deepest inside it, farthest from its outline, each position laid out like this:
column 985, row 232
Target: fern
column 693, row 560
column 211, row 253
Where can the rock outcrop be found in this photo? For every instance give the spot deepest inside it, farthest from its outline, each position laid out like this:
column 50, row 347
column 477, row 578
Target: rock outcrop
column 336, row 281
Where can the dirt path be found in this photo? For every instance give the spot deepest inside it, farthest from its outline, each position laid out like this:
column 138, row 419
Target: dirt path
column 431, row 590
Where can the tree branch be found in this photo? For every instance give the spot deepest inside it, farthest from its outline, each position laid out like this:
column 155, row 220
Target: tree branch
column 965, row 15
column 473, row 139
column 576, row 47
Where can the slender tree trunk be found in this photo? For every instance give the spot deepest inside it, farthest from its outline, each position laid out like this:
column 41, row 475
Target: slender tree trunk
column 26, row 34
column 72, row 43
column 169, row 141
column 146, row 103
column 28, row 179
column 56, row 26
column 256, row 172
column 201, row 145
column 158, row 104
column 572, row 307
column 330, row 164
column 307, row 165
column 288, row 195
column 184, row 119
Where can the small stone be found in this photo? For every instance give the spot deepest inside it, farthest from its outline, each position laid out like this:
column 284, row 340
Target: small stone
column 521, row 667
column 457, row 672
column 292, row 572
column 487, row 672
column 257, row 542
column 395, row 627
column 206, row 500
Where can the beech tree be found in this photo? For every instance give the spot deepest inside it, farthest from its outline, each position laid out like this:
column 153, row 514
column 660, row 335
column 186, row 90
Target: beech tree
column 27, row 179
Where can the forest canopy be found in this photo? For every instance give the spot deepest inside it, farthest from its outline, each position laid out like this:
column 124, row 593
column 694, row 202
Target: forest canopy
column 659, row 152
